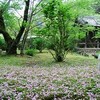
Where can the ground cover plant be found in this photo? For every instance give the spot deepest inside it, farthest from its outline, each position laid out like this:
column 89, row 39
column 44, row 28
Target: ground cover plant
column 38, row 78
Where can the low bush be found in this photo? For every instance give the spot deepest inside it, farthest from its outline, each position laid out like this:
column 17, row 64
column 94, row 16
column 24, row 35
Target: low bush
column 30, row 52
column 39, row 44
column 2, row 44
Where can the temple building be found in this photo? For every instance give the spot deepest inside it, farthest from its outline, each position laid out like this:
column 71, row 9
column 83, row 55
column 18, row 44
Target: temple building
column 92, row 37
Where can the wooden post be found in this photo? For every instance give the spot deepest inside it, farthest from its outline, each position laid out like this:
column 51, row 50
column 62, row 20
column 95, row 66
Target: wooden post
column 97, row 44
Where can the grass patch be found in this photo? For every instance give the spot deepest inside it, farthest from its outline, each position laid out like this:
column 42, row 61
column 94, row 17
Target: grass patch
column 46, row 59
column 72, row 59
column 14, row 60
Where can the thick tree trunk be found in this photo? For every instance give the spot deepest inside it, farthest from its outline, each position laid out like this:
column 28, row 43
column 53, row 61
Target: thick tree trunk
column 22, row 28
column 7, row 37
column 13, row 44
column 12, row 51
column 3, row 29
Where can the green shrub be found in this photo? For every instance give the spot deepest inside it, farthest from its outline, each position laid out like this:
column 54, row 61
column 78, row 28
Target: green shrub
column 30, row 52
column 50, row 45
column 71, row 43
column 39, row 43
column 2, row 44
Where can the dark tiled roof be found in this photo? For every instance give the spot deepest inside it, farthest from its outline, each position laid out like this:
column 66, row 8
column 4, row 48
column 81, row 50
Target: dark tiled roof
column 89, row 20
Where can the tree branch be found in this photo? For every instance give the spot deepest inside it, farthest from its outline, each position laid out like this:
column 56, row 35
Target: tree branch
column 23, row 26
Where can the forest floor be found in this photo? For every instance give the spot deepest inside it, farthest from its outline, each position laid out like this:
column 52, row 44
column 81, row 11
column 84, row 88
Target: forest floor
column 40, row 78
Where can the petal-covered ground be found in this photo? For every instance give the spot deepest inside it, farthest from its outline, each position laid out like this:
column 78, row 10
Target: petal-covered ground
column 40, row 78
column 49, row 83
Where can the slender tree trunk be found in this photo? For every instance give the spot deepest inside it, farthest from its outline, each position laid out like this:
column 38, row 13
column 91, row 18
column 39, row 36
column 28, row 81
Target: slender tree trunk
column 60, row 50
column 23, row 43
column 28, row 27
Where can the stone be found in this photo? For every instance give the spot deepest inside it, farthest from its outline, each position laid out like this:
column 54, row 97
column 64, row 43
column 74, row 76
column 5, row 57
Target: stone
column 98, row 62
column 0, row 51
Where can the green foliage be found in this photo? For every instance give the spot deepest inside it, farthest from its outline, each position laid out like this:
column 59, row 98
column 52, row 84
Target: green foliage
column 2, row 44
column 97, row 35
column 10, row 15
column 71, row 42
column 50, row 44
column 11, row 24
column 55, row 13
column 30, row 52
column 39, row 43
column 60, row 17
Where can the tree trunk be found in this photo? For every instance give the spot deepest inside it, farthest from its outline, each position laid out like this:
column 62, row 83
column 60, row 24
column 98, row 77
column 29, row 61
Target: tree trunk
column 12, row 51
column 59, row 58
column 23, row 43
column 21, row 31
column 13, row 44
column 6, row 36
column 40, row 50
